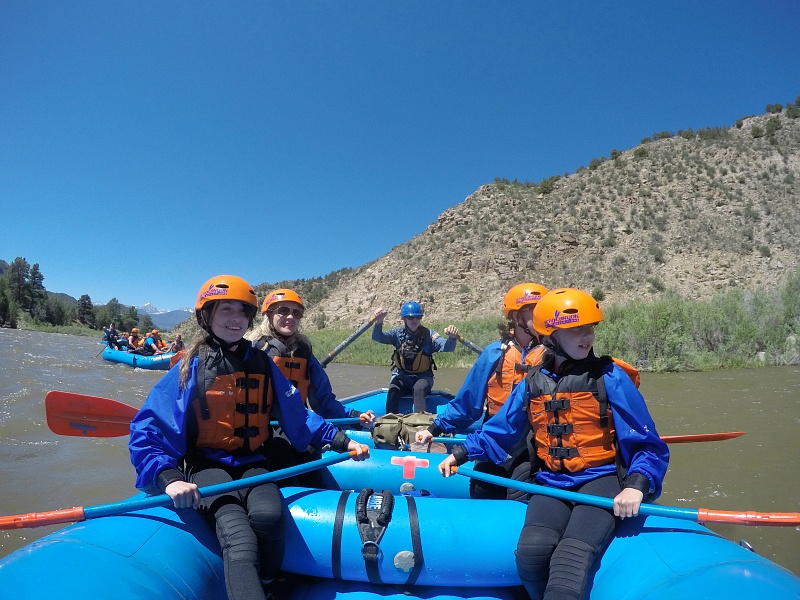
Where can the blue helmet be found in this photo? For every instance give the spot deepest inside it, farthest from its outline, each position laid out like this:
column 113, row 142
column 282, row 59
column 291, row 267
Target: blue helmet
column 411, row 309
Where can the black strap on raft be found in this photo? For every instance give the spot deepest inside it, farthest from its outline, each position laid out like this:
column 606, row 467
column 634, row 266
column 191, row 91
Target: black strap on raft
column 336, row 540
column 373, row 513
column 416, row 541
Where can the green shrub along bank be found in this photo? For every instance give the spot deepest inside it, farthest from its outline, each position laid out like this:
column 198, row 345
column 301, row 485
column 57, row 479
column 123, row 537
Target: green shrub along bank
column 732, row 330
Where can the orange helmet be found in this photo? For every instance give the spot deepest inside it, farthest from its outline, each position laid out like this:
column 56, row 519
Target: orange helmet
column 281, row 295
column 523, row 294
column 135, row 330
column 154, row 332
column 564, row 308
column 224, row 287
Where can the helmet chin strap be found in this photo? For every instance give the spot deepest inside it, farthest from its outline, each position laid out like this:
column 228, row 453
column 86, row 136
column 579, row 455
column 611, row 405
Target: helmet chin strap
column 551, row 343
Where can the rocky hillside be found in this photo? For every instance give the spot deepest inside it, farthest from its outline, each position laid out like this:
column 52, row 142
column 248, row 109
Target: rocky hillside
column 692, row 212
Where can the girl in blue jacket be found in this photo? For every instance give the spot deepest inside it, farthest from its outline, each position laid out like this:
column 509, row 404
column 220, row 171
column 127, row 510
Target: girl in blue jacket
column 208, row 421
column 592, row 433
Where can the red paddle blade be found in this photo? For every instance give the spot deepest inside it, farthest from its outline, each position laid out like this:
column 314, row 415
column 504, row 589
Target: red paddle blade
column 87, row 416
column 701, row 437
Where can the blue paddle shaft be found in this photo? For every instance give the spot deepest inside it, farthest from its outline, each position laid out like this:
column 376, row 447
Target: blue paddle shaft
column 126, row 506
column 687, row 514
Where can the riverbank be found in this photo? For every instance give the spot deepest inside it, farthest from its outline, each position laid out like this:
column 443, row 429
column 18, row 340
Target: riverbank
column 735, row 329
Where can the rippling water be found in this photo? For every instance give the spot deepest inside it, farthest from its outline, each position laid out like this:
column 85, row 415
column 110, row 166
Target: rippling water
column 759, row 471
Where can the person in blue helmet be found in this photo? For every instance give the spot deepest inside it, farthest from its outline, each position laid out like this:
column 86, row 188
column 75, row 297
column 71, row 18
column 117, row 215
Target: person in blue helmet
column 412, row 360
column 207, row 421
column 592, row 433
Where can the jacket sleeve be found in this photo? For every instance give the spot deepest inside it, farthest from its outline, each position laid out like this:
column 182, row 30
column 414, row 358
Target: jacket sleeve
column 158, row 431
column 303, row 427
column 442, row 343
column 385, row 337
column 642, row 450
column 468, row 405
column 498, row 436
column 320, row 394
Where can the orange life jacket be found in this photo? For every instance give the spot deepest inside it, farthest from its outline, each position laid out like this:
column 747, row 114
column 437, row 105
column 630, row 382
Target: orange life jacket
column 509, row 372
column 571, row 417
column 232, row 402
column 292, row 363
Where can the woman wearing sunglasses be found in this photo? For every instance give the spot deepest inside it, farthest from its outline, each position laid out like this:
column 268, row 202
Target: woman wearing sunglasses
column 280, row 338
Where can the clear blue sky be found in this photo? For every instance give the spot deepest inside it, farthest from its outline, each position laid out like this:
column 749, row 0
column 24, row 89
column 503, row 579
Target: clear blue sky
column 146, row 146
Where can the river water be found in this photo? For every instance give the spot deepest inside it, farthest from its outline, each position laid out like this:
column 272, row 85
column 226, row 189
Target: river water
column 759, row 471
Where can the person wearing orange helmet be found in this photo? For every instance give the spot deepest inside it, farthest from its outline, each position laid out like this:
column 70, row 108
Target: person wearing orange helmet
column 207, row 422
column 592, row 433
column 412, row 360
column 281, row 339
column 153, row 344
column 134, row 341
column 500, row 367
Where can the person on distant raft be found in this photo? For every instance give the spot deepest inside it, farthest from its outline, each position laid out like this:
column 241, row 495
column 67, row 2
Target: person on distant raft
column 592, row 433
column 112, row 337
column 135, row 341
column 177, row 344
column 500, row 367
column 152, row 345
column 412, row 360
column 207, row 421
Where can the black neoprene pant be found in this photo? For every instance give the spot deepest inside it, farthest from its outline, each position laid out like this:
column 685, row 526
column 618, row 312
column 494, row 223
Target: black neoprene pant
column 560, row 542
column 250, row 529
column 398, row 387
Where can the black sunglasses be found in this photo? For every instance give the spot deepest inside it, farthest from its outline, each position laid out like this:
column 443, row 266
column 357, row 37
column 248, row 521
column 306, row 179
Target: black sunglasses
column 285, row 311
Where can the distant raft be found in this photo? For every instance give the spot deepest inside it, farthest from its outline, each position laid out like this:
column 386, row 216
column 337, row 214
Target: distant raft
column 159, row 362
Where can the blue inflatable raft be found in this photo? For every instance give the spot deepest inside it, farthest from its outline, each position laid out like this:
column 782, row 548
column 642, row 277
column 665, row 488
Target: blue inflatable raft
column 441, row 546
column 173, row 555
column 159, row 362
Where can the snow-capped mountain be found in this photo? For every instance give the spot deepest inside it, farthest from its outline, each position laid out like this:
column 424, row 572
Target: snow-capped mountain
column 165, row 319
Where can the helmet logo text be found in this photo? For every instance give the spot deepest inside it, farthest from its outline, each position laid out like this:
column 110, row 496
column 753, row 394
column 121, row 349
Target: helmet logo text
column 561, row 319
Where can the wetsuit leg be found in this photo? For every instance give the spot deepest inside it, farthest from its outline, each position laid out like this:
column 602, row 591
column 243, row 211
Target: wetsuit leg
column 397, row 387
column 421, row 389
column 265, row 509
column 545, row 522
column 487, row 491
column 586, row 537
column 237, row 539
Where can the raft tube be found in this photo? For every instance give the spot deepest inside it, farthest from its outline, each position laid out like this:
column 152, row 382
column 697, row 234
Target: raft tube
column 173, row 555
column 159, row 362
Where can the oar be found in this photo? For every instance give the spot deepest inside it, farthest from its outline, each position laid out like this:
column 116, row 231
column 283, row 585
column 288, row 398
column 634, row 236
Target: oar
column 471, row 345
column 667, row 439
column 101, row 351
column 81, row 513
column 698, row 515
column 74, row 414
column 350, row 339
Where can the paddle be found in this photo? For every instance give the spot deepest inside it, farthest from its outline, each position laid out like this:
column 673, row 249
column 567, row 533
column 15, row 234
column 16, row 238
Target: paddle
column 667, row 439
column 101, row 351
column 80, row 513
column 350, row 339
column 698, row 515
column 472, row 346
column 91, row 416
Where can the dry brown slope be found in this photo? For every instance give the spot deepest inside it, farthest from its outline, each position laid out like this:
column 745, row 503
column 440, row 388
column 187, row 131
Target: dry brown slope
column 690, row 213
